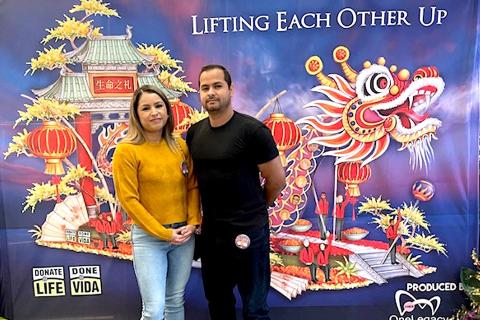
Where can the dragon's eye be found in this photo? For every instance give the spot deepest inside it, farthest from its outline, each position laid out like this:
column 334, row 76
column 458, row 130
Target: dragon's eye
column 382, row 83
column 376, row 83
column 417, row 77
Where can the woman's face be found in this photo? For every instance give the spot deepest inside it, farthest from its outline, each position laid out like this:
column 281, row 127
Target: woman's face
column 152, row 112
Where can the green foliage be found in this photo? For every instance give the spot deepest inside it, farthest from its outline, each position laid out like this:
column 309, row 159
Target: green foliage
column 374, row 205
column 47, row 109
column 414, row 260
column 174, row 82
column 48, row 59
column 426, row 243
column 69, row 184
column 36, row 232
column 94, row 7
column 347, row 268
column 18, row 145
column 45, row 191
column 161, row 56
column 70, row 29
column 415, row 216
column 471, row 285
column 413, row 222
column 276, row 259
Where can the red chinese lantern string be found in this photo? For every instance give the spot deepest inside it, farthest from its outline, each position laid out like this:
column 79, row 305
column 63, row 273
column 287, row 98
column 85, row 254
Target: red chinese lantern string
column 56, row 181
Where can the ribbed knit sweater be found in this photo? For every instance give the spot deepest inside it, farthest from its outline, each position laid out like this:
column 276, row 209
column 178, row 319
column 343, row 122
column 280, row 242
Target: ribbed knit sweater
column 151, row 187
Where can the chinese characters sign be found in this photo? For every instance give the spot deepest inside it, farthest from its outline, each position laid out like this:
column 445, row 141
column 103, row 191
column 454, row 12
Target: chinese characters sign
column 112, row 84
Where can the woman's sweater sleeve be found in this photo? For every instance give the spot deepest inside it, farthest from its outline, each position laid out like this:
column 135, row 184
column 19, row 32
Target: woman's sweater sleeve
column 125, row 177
column 193, row 195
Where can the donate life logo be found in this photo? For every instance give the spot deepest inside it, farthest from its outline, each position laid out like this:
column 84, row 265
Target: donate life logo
column 410, row 302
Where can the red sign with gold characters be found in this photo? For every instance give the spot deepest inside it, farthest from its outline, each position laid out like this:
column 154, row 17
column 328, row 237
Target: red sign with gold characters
column 112, row 84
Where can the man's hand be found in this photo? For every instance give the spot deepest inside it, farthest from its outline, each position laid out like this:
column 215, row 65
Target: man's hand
column 274, row 175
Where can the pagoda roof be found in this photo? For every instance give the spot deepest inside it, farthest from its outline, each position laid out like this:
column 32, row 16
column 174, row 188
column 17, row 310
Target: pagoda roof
column 152, row 79
column 109, row 50
column 70, row 87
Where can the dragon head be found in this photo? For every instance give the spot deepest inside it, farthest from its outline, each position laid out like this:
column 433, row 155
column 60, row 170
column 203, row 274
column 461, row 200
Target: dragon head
column 370, row 106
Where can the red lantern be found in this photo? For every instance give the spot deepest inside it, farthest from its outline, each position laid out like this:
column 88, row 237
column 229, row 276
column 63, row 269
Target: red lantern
column 285, row 133
column 353, row 174
column 181, row 111
column 53, row 142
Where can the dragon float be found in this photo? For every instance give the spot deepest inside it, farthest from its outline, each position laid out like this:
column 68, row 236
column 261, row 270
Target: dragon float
column 365, row 110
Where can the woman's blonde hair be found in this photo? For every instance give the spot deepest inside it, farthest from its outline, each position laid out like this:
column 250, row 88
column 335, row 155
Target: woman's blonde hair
column 135, row 134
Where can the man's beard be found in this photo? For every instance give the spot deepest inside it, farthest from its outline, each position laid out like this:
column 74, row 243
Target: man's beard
column 218, row 106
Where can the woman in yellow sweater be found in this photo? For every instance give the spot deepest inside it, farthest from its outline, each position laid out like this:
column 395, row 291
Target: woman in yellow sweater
column 154, row 183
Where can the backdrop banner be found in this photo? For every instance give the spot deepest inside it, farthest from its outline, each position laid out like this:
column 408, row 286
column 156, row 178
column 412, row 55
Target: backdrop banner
column 373, row 106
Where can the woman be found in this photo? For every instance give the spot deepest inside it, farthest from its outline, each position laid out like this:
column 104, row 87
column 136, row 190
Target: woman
column 154, row 184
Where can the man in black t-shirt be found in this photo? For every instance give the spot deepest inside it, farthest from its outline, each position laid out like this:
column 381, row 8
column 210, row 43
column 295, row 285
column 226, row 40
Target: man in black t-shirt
column 229, row 150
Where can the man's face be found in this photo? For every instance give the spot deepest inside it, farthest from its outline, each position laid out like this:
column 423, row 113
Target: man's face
column 296, row 199
column 339, row 199
column 215, row 95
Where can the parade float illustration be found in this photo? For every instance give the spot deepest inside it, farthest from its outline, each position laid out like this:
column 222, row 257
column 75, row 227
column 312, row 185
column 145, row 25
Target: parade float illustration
column 364, row 113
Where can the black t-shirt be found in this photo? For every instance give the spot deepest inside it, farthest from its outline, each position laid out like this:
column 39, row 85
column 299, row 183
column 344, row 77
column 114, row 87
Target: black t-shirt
column 225, row 160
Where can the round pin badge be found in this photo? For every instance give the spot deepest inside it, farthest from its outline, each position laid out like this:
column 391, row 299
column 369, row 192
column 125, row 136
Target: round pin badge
column 242, row 241
column 184, row 168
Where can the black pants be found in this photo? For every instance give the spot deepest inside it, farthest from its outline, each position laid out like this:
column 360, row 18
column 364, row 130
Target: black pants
column 338, row 228
column 326, row 271
column 313, row 272
column 225, row 266
column 105, row 238
column 393, row 252
column 322, row 223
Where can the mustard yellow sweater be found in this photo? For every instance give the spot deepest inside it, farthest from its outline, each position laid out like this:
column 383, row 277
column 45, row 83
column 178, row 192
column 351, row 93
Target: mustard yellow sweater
column 151, row 187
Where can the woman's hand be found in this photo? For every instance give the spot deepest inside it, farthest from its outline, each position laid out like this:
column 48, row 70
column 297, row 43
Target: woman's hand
column 188, row 230
column 182, row 234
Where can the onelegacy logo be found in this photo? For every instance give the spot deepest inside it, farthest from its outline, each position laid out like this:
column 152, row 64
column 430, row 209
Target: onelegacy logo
column 410, row 302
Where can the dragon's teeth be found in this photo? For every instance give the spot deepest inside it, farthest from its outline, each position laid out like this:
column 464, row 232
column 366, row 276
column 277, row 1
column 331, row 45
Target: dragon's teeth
column 410, row 101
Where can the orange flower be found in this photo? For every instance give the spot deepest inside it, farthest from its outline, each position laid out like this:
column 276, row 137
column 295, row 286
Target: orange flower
column 354, row 230
column 303, row 222
column 291, row 242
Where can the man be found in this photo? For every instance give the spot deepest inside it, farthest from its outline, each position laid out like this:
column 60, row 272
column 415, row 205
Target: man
column 322, row 211
column 392, row 234
column 229, row 150
column 107, row 229
column 340, row 213
column 307, row 257
column 323, row 255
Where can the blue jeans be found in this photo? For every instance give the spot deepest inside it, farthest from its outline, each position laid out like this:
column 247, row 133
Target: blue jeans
column 162, row 270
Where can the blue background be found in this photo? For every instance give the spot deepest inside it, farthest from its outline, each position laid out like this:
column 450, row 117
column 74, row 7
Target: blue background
column 262, row 64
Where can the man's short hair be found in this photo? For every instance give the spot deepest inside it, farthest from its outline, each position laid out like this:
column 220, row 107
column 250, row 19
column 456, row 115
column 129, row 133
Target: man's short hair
column 226, row 74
